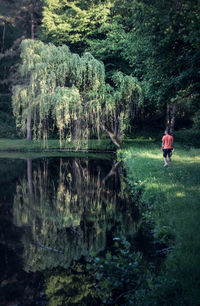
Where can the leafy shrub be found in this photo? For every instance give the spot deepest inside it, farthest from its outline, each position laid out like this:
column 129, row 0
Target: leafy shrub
column 120, row 274
column 188, row 137
column 124, row 277
column 196, row 121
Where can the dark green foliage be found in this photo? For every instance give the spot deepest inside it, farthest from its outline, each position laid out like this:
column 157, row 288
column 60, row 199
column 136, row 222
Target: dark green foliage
column 7, row 123
column 15, row 25
column 124, row 277
column 163, row 50
column 119, row 274
column 108, row 46
column 196, row 120
column 188, row 137
column 157, row 41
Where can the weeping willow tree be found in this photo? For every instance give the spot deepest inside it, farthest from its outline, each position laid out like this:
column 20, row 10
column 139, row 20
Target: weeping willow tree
column 68, row 93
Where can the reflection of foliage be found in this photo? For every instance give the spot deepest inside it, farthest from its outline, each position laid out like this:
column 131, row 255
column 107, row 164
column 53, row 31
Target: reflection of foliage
column 124, row 278
column 119, row 274
column 71, row 206
column 9, row 170
column 17, row 287
column 72, row 287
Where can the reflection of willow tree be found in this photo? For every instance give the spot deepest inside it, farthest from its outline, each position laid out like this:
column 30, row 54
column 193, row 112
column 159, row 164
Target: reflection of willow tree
column 76, row 286
column 72, row 209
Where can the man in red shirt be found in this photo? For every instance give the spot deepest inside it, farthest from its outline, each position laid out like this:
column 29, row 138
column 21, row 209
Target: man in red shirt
column 167, row 147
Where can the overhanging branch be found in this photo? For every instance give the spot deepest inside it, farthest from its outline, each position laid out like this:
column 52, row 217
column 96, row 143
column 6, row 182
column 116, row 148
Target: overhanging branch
column 112, row 137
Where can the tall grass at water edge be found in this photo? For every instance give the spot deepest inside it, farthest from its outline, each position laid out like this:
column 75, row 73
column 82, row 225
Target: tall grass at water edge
column 171, row 197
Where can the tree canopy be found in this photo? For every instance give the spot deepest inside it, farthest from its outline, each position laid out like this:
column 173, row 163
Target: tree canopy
column 69, row 93
column 158, row 42
column 155, row 41
column 72, row 22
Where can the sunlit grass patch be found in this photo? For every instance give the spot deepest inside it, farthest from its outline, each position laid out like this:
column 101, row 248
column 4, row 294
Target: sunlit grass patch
column 180, row 194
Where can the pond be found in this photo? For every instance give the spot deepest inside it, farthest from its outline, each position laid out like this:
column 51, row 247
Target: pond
column 56, row 212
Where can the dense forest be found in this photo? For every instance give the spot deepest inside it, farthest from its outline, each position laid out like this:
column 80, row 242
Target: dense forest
column 83, row 68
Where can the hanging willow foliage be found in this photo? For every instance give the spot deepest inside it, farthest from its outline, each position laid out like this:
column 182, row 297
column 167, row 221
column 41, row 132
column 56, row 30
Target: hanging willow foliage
column 66, row 91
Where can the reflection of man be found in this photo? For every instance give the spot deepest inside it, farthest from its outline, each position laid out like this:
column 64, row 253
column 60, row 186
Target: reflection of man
column 167, row 147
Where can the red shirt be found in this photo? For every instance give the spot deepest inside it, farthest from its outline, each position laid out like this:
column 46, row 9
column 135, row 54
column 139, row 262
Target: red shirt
column 167, row 141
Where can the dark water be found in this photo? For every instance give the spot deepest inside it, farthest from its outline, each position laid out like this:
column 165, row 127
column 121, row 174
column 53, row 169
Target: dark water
column 54, row 212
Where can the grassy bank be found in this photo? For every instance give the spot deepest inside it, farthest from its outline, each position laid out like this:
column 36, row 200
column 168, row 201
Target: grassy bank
column 171, row 199
column 53, row 144
column 68, row 154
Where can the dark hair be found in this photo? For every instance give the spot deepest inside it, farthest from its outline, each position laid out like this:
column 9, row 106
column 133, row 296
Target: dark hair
column 169, row 131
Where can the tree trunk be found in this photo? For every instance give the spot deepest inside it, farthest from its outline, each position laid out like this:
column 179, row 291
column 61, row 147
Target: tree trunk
column 112, row 171
column 167, row 118
column 170, row 117
column 113, row 138
column 118, row 129
column 29, row 125
column 29, row 175
column 173, row 116
column 32, row 19
column 29, row 118
column 3, row 37
column 29, row 132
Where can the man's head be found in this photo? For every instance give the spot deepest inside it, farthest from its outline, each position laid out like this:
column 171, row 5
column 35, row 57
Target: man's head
column 169, row 132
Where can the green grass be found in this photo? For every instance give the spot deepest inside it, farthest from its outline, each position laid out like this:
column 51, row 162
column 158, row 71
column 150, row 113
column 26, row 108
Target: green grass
column 35, row 155
column 172, row 197
column 53, row 144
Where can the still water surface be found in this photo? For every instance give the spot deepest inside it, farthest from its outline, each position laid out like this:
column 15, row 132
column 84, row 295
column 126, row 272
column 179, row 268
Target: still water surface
column 54, row 213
